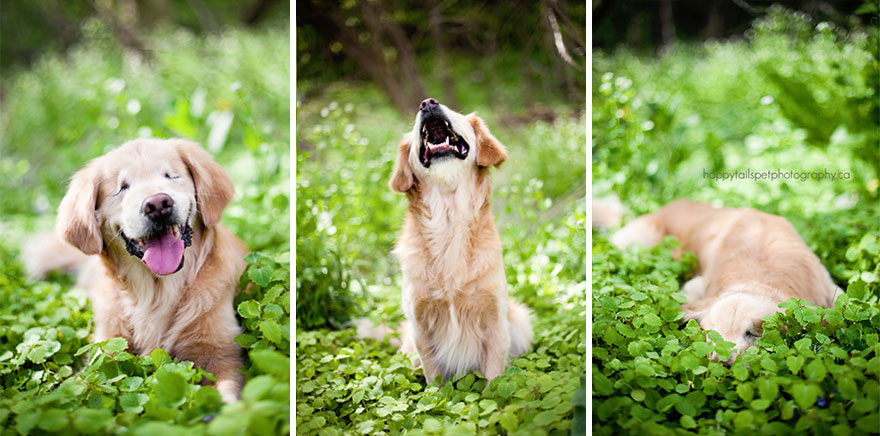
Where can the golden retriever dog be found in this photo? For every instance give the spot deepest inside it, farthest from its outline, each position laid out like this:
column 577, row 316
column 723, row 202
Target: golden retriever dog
column 161, row 270
column 454, row 296
column 749, row 262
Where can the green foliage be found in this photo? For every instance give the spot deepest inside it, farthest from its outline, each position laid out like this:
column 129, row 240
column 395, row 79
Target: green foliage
column 651, row 375
column 55, row 382
column 794, row 96
column 348, row 384
column 264, row 304
column 347, row 222
column 66, row 110
column 716, row 108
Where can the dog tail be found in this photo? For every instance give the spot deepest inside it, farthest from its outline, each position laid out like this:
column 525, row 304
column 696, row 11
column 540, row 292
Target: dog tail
column 607, row 212
column 645, row 230
column 520, row 319
column 367, row 330
column 47, row 252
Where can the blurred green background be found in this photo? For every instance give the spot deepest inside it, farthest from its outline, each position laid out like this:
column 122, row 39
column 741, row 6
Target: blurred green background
column 80, row 78
column 794, row 92
column 763, row 87
column 362, row 69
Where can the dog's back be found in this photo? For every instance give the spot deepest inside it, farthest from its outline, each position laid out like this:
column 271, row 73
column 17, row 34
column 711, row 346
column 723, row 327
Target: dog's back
column 736, row 245
column 45, row 252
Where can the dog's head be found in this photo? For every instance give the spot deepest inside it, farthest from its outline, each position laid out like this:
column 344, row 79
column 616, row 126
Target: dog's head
column 143, row 199
column 737, row 316
column 442, row 146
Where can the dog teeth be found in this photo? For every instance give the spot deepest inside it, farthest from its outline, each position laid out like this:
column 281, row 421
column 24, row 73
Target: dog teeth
column 432, row 146
column 175, row 231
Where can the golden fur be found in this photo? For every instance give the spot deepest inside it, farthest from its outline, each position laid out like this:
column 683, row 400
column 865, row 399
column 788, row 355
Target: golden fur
column 749, row 262
column 189, row 313
column 454, row 296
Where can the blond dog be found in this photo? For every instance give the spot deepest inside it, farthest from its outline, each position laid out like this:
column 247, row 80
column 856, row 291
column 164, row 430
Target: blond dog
column 749, row 262
column 160, row 269
column 454, row 297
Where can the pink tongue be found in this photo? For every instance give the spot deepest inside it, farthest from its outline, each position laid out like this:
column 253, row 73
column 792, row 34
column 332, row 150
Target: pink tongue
column 162, row 255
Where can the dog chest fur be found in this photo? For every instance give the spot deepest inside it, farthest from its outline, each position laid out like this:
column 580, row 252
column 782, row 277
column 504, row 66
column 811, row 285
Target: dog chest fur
column 454, row 291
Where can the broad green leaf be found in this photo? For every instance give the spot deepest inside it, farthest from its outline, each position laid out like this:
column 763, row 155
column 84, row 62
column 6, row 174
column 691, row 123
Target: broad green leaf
column 508, row 421
column 115, row 345
column 271, row 330
column 249, row 309
column 804, row 394
column 794, row 363
column 54, row 420
column 815, row 370
column 745, row 391
column 132, row 402
column 272, row 362
column 740, row 371
column 91, row 420
column 760, row 404
column 170, row 388
column 260, row 275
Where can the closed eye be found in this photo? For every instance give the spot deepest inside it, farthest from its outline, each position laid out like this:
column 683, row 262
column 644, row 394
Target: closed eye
column 122, row 187
column 171, row 176
column 750, row 334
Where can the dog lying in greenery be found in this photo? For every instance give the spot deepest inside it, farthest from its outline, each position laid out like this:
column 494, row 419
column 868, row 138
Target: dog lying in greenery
column 454, row 297
column 749, row 262
column 160, row 269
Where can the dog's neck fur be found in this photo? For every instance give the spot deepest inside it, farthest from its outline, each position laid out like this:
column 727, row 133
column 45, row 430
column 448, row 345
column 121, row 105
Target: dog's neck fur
column 446, row 217
column 150, row 300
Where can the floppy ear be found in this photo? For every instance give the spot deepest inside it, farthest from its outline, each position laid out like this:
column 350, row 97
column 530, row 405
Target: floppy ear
column 214, row 189
column 402, row 178
column 489, row 150
column 77, row 220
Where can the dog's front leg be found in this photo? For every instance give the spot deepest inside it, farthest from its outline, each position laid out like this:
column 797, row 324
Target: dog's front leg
column 229, row 379
column 495, row 348
column 222, row 361
column 211, row 346
column 430, row 367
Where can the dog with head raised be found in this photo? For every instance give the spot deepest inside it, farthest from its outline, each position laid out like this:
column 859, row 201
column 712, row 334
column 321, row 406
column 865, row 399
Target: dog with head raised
column 454, row 296
column 161, row 270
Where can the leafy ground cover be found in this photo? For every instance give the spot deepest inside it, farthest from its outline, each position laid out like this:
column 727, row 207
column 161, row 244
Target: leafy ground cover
column 795, row 95
column 230, row 92
column 347, row 221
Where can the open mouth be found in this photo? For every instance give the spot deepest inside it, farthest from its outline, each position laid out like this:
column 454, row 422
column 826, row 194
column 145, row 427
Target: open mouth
column 440, row 141
column 161, row 252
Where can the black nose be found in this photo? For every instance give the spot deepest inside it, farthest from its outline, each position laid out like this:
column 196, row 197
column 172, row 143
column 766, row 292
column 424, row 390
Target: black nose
column 428, row 104
column 158, row 206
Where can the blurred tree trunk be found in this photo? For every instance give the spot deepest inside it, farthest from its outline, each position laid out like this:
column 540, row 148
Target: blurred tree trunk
column 435, row 23
column 250, row 15
column 151, row 12
column 553, row 43
column 66, row 30
column 572, row 30
column 555, row 14
column 124, row 24
column 715, row 24
column 204, row 15
column 667, row 22
column 382, row 48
